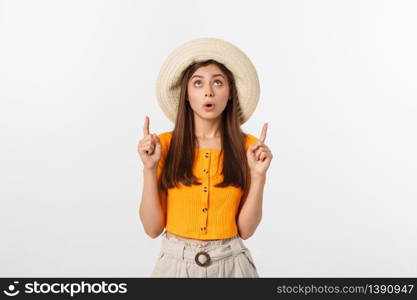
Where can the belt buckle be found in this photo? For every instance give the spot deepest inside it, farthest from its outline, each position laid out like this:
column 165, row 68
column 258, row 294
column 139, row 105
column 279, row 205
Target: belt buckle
column 207, row 258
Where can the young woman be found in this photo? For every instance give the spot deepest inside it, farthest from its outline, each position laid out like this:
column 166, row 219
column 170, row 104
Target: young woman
column 203, row 181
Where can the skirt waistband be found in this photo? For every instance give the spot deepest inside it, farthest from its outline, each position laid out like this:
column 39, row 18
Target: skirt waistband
column 191, row 251
column 199, row 244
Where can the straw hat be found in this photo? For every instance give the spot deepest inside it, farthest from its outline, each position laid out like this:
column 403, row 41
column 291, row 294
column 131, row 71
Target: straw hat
column 201, row 49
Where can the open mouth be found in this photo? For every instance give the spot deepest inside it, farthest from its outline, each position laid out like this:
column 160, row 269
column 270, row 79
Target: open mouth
column 208, row 106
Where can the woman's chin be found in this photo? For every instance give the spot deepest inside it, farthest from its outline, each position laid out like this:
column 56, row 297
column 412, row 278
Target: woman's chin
column 207, row 115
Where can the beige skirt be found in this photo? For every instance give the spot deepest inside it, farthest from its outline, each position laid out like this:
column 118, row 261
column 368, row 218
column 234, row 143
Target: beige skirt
column 221, row 258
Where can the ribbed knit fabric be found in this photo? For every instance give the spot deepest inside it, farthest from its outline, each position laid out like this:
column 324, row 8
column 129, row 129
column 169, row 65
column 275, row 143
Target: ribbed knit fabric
column 202, row 211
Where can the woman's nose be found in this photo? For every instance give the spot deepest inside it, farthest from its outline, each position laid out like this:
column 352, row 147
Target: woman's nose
column 209, row 92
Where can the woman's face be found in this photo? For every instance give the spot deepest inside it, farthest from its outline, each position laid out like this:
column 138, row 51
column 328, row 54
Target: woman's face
column 208, row 84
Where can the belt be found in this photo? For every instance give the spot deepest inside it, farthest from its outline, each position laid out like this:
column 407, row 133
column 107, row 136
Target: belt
column 203, row 256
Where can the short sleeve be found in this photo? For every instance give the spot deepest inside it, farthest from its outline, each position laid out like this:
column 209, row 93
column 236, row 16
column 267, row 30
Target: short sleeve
column 250, row 140
column 165, row 139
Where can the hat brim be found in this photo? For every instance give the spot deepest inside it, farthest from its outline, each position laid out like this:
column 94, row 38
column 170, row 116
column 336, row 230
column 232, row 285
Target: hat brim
column 246, row 77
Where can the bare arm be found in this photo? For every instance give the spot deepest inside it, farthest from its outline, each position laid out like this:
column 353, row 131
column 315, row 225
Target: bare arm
column 152, row 209
column 153, row 205
column 259, row 158
column 250, row 214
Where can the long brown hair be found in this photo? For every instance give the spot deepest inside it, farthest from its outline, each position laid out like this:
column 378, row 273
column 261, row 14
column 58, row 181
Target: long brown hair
column 180, row 157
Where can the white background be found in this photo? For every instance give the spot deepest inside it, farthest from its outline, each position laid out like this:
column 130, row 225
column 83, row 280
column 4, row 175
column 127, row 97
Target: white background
column 338, row 89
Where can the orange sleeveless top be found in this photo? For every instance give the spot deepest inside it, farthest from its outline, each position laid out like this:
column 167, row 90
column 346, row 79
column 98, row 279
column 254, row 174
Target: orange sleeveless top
column 203, row 211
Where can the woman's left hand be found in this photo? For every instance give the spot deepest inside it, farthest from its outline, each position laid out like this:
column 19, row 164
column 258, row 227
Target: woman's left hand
column 259, row 155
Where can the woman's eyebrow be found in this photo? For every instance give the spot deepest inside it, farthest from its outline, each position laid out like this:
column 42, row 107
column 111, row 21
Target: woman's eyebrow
column 203, row 76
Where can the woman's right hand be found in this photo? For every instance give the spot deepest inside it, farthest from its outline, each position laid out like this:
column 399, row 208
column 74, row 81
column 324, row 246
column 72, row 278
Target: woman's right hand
column 149, row 148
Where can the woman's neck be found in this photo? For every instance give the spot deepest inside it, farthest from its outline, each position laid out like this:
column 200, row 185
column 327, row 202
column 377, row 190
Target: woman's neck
column 207, row 129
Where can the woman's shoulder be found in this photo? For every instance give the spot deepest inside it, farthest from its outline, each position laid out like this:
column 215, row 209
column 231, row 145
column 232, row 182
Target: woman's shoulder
column 250, row 139
column 166, row 136
column 165, row 140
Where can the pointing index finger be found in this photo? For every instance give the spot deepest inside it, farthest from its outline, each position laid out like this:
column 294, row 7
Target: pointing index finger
column 263, row 134
column 146, row 127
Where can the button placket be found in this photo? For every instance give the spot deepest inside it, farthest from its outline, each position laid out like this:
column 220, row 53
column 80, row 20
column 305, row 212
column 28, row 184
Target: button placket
column 205, row 191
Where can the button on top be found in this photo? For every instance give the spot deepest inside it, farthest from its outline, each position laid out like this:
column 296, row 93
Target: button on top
column 204, row 209
column 205, row 171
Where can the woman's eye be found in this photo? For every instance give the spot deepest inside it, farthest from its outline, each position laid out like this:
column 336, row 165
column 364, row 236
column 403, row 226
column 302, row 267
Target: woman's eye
column 198, row 81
